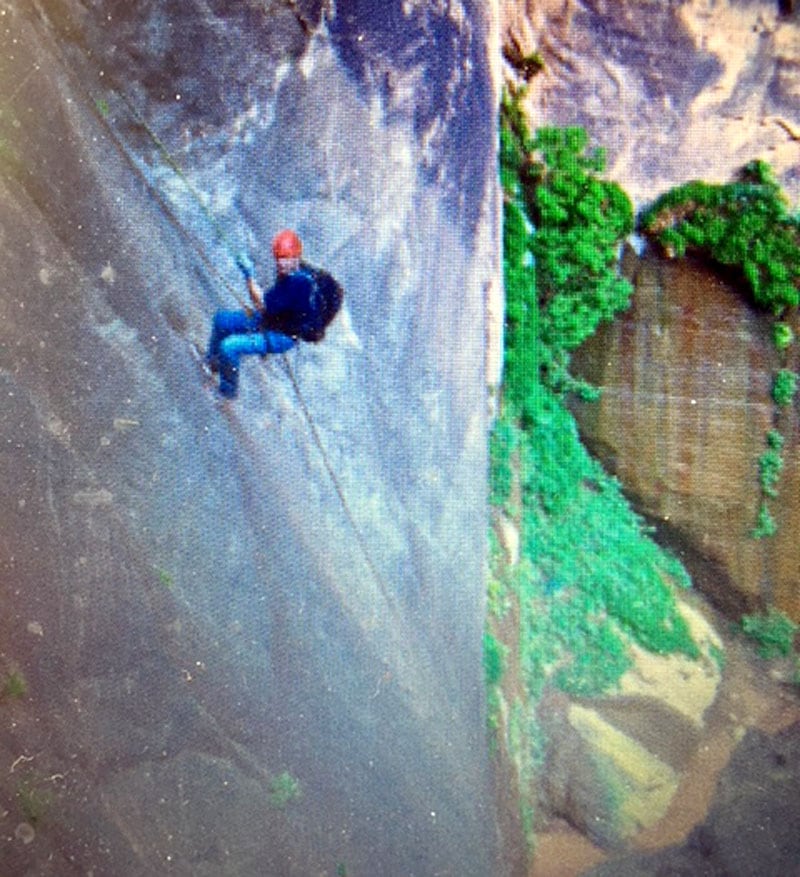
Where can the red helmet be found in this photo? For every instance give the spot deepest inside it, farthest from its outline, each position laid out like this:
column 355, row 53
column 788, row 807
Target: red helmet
column 287, row 245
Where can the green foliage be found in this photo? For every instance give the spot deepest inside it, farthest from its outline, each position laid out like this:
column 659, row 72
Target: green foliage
column 283, row 789
column 164, row 578
column 498, row 602
column 770, row 465
column 765, row 524
column 773, row 631
column 775, row 440
column 494, row 659
column 744, row 224
column 33, row 801
column 784, row 386
column 15, row 687
column 501, row 449
column 563, row 228
column 717, row 655
column 590, row 580
column 782, row 335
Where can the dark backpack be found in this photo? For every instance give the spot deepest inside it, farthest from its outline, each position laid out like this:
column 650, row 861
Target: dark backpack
column 327, row 299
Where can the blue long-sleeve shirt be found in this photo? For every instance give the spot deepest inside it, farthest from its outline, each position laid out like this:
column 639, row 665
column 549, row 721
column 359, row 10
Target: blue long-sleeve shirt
column 290, row 304
column 301, row 304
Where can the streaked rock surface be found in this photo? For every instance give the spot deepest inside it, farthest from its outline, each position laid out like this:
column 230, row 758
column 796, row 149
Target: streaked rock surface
column 203, row 600
column 687, row 374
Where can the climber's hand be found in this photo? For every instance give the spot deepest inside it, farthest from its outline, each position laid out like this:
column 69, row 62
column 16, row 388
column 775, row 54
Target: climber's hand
column 246, row 266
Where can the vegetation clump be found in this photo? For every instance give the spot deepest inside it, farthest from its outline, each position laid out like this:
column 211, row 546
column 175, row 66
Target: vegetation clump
column 784, row 386
column 563, row 228
column 34, row 802
column 494, row 657
column 14, row 687
column 770, row 466
column 588, row 580
column 579, row 573
column 773, row 631
column 745, row 224
column 782, row 335
column 283, row 789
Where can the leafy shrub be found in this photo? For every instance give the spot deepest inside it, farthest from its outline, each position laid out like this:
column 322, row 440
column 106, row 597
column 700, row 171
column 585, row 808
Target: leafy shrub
column 765, row 524
column 590, row 580
column 501, row 448
column 283, row 789
column 33, row 801
column 784, row 386
column 744, row 224
column 563, row 228
column 494, row 657
column 770, row 465
column 782, row 335
column 773, row 631
column 14, row 687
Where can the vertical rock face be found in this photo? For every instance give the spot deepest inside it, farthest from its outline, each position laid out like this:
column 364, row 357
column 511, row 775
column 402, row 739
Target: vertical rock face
column 250, row 636
column 674, row 91
column 686, row 376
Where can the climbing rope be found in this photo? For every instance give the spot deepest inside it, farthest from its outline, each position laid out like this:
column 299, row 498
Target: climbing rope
column 166, row 155
column 164, row 152
column 101, row 111
column 337, row 486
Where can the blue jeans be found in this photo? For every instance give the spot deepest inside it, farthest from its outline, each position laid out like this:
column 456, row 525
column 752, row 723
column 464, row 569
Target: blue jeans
column 235, row 334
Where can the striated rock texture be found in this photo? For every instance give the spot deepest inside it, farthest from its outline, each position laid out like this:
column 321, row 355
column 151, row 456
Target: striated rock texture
column 250, row 636
column 686, row 374
column 675, row 91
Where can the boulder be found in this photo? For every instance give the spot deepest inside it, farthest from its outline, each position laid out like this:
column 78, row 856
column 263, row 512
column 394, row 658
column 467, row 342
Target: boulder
column 614, row 764
column 753, row 825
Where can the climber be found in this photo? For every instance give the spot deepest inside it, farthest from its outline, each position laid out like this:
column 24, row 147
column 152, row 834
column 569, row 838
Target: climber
column 299, row 306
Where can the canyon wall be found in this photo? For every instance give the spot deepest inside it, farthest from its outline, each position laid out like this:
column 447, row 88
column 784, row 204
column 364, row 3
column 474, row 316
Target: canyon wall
column 249, row 636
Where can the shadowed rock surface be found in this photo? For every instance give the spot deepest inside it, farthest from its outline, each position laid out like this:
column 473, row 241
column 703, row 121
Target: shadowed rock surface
column 753, row 825
column 203, row 599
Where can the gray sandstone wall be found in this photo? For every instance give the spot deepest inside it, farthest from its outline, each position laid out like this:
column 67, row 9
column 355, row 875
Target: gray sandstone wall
column 201, row 599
